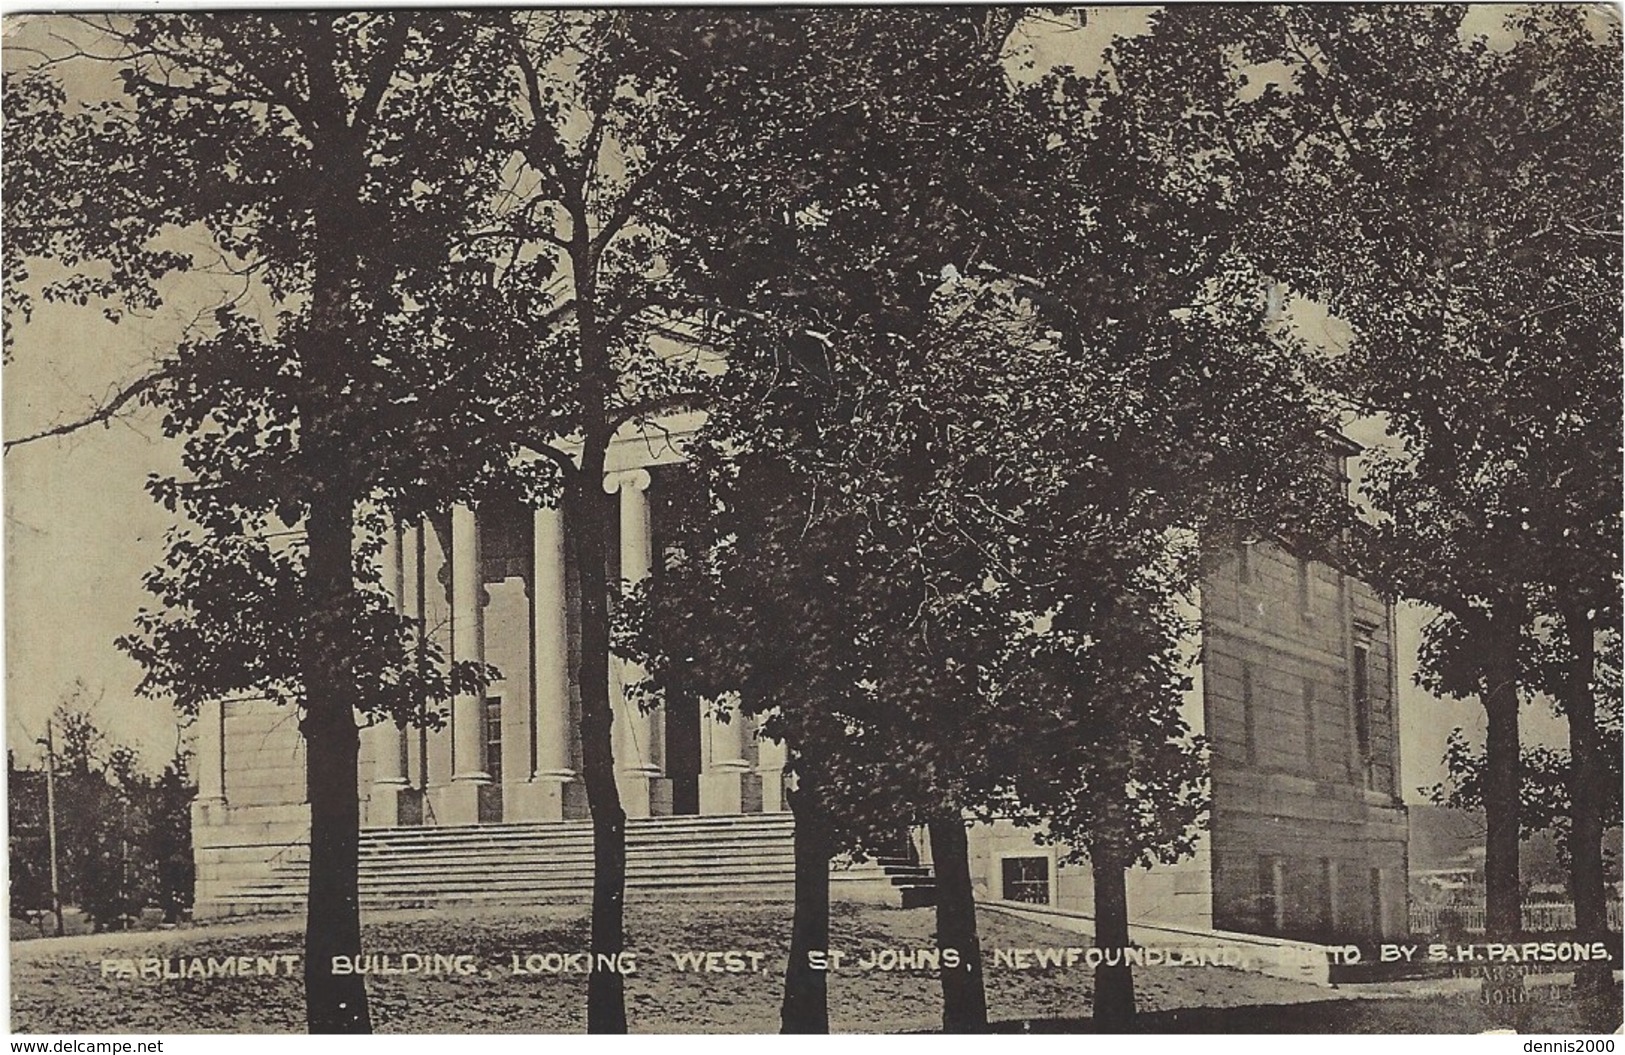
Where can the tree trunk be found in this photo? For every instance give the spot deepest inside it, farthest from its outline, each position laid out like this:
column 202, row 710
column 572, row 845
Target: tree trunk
column 328, row 353
column 964, row 999
column 1587, row 880
column 1503, row 892
column 806, row 989
column 1114, row 982
column 606, row 989
column 334, row 1003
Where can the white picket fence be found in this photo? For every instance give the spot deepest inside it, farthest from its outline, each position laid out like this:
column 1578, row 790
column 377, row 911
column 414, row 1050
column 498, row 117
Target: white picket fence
column 1469, row 919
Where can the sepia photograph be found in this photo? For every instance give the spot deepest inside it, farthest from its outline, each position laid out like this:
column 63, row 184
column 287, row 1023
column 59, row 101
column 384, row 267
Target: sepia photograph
column 866, row 519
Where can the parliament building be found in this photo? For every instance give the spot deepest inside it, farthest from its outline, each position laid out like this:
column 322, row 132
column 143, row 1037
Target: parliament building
column 1295, row 690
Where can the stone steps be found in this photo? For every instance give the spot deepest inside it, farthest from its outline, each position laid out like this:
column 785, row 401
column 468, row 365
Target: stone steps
column 748, row 857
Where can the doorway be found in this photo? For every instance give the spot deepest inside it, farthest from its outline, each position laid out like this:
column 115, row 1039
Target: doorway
column 683, row 754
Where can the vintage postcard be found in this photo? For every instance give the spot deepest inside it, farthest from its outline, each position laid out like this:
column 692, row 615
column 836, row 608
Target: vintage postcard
column 821, row 520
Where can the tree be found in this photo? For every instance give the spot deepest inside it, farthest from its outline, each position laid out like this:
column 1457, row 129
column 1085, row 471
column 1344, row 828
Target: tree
column 323, row 157
column 874, row 600
column 124, row 839
column 849, row 556
column 1545, row 798
column 1517, row 404
column 87, row 816
column 1497, row 257
column 885, row 537
column 1544, row 805
column 114, row 887
column 1204, row 429
column 29, row 850
column 1455, row 200
column 667, row 157
column 170, row 838
column 1118, row 776
column 884, row 126
column 434, row 316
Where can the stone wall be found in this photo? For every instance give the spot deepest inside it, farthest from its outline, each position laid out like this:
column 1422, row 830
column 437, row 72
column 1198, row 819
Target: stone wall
column 262, row 817
column 1307, row 836
column 1309, row 833
column 1178, row 894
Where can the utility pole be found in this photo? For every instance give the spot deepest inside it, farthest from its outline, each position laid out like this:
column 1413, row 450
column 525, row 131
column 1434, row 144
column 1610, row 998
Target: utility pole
column 50, row 822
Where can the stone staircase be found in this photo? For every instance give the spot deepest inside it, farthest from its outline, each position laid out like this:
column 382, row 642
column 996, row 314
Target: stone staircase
column 746, row 857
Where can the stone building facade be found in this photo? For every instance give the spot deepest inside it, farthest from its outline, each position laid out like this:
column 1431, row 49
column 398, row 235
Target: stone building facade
column 1296, row 690
column 1309, row 829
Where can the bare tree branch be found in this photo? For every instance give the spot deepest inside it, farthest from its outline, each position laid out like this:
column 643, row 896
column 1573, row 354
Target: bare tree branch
column 102, row 414
column 657, row 169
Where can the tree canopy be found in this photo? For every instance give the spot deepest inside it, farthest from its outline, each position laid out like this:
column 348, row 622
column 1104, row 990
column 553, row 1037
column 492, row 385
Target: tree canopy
column 1450, row 188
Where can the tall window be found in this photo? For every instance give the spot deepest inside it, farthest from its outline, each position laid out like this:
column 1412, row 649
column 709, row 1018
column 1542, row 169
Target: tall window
column 1309, row 724
column 1249, row 712
column 1271, row 894
column 1328, row 896
column 1305, row 578
column 1361, row 676
column 492, row 738
column 1378, row 920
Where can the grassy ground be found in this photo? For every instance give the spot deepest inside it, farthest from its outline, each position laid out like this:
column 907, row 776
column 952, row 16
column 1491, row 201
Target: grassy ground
column 59, row 985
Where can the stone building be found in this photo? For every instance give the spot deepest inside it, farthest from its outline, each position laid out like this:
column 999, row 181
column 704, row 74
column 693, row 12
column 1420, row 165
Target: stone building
column 1296, row 690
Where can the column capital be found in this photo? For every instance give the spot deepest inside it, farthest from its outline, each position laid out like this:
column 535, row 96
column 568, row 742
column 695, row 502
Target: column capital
column 626, row 480
column 639, row 739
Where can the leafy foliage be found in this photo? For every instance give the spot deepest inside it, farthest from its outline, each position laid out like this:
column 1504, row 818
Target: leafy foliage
column 943, row 421
column 123, row 835
column 336, row 162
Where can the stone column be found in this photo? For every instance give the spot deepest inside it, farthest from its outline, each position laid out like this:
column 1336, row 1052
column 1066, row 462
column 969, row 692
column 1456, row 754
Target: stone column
column 436, row 743
column 722, row 779
column 467, row 632
column 412, row 544
column 543, row 795
column 639, row 737
column 384, row 736
column 770, row 759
